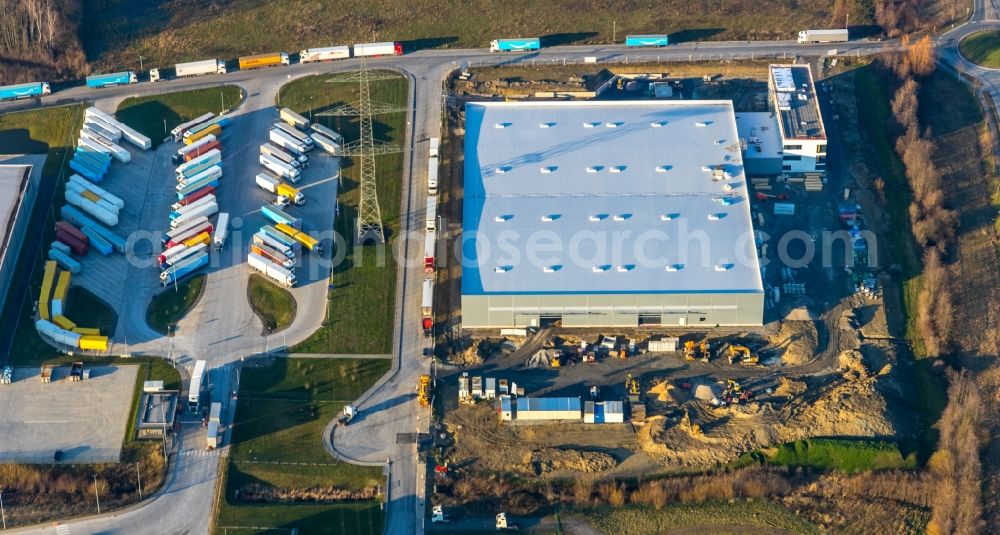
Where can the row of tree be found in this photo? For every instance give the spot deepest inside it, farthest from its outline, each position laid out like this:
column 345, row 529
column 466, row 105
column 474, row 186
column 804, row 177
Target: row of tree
column 934, row 226
column 955, row 468
column 38, row 40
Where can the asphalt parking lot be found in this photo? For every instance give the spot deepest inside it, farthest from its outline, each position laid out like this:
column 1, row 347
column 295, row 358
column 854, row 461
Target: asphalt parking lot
column 86, row 420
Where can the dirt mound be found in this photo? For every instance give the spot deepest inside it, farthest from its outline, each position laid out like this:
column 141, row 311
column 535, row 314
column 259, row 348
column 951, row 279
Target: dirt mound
column 478, row 351
column 552, row 459
column 789, row 388
column 852, row 364
column 796, row 341
column 853, row 408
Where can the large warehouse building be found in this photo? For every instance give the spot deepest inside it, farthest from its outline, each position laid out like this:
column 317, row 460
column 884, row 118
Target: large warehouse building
column 19, row 188
column 596, row 213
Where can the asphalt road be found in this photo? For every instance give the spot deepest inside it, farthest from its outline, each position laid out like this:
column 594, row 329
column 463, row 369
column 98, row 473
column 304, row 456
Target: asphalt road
column 389, row 408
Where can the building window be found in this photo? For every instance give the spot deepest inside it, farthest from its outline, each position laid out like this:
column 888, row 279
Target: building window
column 786, row 168
column 791, row 157
column 793, row 147
column 650, row 319
column 820, row 149
column 820, row 160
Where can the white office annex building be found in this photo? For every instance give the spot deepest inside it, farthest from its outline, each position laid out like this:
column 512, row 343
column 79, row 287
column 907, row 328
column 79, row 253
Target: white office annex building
column 594, row 213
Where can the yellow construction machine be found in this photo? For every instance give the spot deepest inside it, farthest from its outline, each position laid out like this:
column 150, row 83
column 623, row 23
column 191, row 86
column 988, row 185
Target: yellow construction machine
column 689, row 350
column 632, row 387
column 742, row 354
column 704, row 350
column 424, row 390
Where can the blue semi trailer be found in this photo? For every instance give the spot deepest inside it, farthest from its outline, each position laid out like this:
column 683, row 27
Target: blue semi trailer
column 647, row 40
column 115, row 78
column 34, row 89
column 515, row 45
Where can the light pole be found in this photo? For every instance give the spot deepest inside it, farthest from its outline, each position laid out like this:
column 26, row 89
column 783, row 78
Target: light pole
column 2, row 513
column 97, row 495
column 138, row 479
column 614, row 31
column 140, row 62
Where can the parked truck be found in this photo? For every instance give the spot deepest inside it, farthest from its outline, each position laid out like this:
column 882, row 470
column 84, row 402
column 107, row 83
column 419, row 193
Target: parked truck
column 221, row 231
column 115, row 78
column 177, row 254
column 824, row 36
column 202, row 149
column 432, row 175
column 198, row 164
column 191, row 136
column 430, row 244
column 271, row 270
column 289, row 116
column 205, row 210
column 295, row 133
column 264, row 239
column 178, row 132
column 261, row 61
column 289, row 143
column 178, row 234
column 210, row 177
column 434, row 144
column 183, row 268
column 271, row 149
column 430, row 216
column 280, row 189
column 178, row 157
column 328, row 132
column 279, row 216
column 515, row 45
column 273, row 255
column 427, row 306
column 181, row 211
column 647, row 40
column 330, row 146
column 388, row 48
column 280, row 168
column 198, row 68
column 33, row 89
column 328, row 53
column 301, row 237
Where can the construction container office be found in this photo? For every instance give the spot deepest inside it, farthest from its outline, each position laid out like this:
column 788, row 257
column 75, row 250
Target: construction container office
column 793, row 98
column 607, row 214
column 527, row 409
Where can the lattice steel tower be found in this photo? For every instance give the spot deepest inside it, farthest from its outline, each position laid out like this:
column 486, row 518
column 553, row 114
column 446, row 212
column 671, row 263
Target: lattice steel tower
column 369, row 225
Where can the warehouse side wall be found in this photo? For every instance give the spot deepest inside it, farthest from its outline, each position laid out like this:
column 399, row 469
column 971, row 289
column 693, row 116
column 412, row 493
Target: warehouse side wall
column 614, row 310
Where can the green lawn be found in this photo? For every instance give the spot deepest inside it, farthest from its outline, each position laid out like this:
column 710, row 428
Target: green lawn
column 834, row 454
column 87, row 310
column 156, row 115
column 710, row 517
column 170, row 305
column 361, row 307
column 116, row 32
column 50, row 131
column 282, row 412
column 273, row 304
column 982, row 48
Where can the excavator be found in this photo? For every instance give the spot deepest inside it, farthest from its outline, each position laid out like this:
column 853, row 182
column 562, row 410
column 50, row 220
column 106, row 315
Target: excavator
column 742, row 354
column 703, row 348
column 424, row 390
column 689, row 350
column 632, row 387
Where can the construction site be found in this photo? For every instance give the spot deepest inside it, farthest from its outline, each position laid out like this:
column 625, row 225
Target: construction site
column 543, row 394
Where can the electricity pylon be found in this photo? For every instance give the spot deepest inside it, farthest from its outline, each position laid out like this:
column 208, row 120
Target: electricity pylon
column 365, row 149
